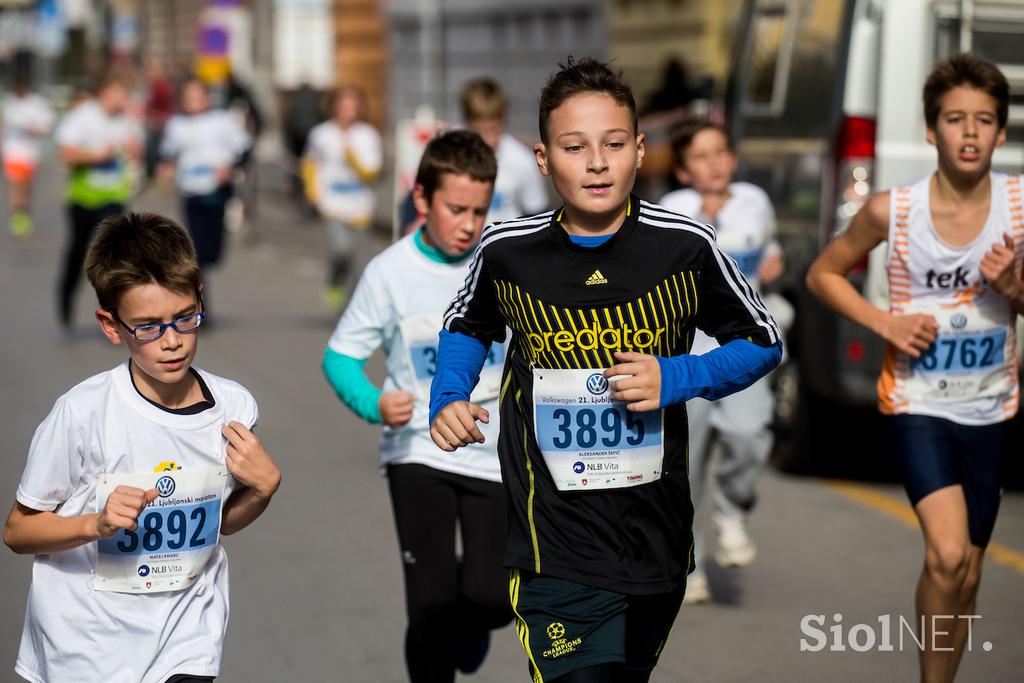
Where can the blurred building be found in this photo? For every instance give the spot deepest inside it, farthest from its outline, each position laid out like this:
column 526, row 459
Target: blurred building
column 698, row 34
column 437, row 46
column 361, row 51
column 169, row 28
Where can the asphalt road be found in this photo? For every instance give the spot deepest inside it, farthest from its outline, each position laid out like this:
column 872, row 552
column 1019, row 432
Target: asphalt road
column 315, row 584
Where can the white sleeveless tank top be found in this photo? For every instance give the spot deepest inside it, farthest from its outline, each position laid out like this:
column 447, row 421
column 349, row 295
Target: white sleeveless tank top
column 969, row 375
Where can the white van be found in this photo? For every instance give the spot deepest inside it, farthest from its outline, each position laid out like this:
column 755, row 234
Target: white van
column 825, row 101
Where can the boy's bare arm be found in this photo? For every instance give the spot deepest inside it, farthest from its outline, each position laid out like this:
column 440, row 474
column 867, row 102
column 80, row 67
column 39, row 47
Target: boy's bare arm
column 29, row 531
column 80, row 156
column 253, row 467
column 36, row 532
column 911, row 334
column 999, row 267
column 365, row 173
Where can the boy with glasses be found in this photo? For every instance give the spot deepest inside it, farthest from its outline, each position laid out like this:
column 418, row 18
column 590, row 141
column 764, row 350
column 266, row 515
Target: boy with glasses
column 133, row 477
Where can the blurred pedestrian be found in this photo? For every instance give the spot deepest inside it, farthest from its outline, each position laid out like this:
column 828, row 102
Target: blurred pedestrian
column 97, row 143
column 27, row 119
column 949, row 385
column 303, row 113
column 159, row 109
column 520, row 189
column 674, row 91
column 705, row 160
column 201, row 147
column 342, row 161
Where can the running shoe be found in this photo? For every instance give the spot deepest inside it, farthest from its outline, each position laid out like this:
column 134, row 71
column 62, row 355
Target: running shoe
column 697, row 590
column 735, row 549
column 21, row 225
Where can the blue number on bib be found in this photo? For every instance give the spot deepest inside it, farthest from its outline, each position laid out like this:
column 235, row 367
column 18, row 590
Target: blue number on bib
column 344, row 188
column 178, row 528
column 748, row 261
column 199, row 171
column 575, row 428
column 424, row 359
column 963, row 353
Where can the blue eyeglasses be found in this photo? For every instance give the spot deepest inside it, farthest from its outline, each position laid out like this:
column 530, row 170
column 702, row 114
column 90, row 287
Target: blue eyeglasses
column 154, row 331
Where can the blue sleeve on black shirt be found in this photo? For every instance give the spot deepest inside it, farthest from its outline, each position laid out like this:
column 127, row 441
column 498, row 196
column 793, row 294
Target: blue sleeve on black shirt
column 714, row 375
column 718, row 373
column 460, row 358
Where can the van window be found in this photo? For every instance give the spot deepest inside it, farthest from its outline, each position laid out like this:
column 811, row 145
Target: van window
column 771, row 50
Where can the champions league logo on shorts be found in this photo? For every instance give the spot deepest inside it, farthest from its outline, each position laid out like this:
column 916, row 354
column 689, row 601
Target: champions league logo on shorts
column 165, row 486
column 597, row 384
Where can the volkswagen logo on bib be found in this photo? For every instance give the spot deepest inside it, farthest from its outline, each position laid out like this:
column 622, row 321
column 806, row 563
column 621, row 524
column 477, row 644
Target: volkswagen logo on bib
column 958, row 321
column 164, row 486
column 597, row 384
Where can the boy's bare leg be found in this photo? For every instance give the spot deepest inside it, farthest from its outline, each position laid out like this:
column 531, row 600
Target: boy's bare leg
column 943, row 586
column 19, row 193
column 968, row 602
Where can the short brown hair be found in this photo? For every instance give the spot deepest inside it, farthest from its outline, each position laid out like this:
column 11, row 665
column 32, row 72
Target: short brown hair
column 456, row 152
column 114, row 76
column 483, row 98
column 133, row 249
column 334, row 96
column 575, row 78
column 684, row 138
column 965, row 69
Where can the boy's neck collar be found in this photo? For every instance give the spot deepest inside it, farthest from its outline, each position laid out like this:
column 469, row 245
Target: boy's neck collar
column 207, row 402
column 433, row 253
column 599, row 225
column 962, row 190
column 613, row 237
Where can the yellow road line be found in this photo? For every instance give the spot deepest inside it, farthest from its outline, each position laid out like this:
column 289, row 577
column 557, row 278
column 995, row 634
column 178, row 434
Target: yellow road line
column 901, row 511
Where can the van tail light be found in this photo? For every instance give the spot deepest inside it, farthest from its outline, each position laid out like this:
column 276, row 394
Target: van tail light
column 854, row 170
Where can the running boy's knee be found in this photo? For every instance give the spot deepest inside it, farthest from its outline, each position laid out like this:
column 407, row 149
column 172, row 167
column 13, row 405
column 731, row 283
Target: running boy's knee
column 948, row 561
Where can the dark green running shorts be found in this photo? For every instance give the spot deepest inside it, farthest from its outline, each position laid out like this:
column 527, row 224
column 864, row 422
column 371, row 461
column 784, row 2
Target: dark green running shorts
column 565, row 626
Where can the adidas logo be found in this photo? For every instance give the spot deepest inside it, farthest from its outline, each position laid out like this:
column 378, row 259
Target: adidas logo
column 597, row 279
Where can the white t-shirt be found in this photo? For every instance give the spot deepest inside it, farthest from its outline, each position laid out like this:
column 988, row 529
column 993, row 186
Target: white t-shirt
column 744, row 229
column 343, row 195
column 402, row 286
column 27, row 120
column 73, row 632
column 89, row 126
column 519, row 189
column 200, row 144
